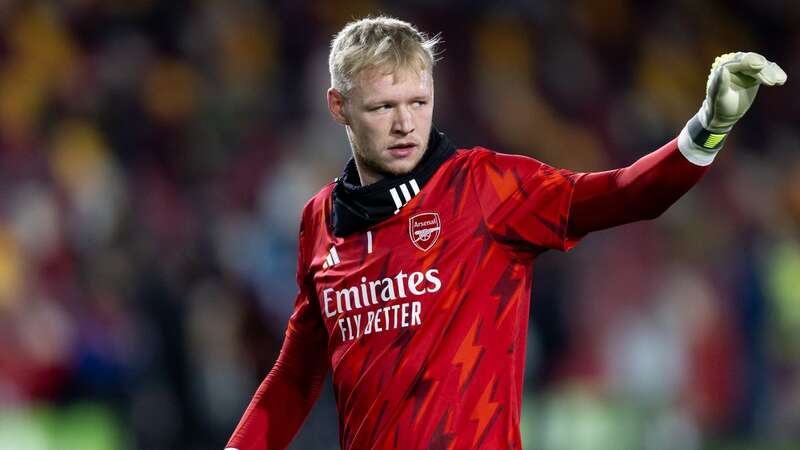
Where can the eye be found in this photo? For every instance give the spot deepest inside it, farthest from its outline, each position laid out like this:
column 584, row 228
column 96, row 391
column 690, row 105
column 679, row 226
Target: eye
column 420, row 103
column 384, row 107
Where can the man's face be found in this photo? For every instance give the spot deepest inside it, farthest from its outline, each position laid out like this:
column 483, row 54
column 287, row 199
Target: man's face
column 388, row 118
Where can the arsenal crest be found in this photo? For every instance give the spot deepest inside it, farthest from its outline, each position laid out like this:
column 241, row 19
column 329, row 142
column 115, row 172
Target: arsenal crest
column 424, row 230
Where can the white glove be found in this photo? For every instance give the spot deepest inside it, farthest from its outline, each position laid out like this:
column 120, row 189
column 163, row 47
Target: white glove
column 732, row 85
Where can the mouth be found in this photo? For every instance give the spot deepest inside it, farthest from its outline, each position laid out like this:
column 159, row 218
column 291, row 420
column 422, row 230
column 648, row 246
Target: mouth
column 402, row 149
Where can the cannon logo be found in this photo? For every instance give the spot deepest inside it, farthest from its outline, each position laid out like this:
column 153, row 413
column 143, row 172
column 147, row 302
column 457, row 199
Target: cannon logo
column 424, row 230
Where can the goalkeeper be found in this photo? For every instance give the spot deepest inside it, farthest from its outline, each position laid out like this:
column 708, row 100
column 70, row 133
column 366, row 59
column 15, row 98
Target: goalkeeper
column 415, row 266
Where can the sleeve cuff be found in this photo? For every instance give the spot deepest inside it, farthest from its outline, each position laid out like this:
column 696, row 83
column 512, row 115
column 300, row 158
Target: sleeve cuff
column 699, row 145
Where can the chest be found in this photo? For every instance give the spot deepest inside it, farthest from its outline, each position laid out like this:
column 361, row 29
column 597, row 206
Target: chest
column 398, row 266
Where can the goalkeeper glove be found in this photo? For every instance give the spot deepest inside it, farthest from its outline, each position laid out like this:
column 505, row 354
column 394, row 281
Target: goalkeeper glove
column 732, row 85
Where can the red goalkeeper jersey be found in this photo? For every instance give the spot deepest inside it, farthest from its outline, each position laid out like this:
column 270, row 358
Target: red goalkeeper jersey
column 422, row 318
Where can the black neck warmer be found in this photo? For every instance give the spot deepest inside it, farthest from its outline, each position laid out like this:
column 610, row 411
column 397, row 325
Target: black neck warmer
column 357, row 207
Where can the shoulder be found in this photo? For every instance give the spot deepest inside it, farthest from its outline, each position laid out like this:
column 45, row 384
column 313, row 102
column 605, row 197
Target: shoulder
column 313, row 222
column 481, row 159
column 469, row 158
column 317, row 208
column 474, row 154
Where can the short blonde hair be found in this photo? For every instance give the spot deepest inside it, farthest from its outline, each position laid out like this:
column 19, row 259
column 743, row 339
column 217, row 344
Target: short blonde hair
column 378, row 42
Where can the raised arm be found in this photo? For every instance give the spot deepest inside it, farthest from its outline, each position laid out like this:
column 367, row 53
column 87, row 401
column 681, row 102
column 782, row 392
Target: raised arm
column 649, row 186
column 643, row 190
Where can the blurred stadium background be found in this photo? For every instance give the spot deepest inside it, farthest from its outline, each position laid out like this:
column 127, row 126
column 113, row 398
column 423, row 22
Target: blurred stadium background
column 154, row 157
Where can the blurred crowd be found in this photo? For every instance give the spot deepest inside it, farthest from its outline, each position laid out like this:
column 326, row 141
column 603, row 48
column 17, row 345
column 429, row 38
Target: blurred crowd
column 154, row 158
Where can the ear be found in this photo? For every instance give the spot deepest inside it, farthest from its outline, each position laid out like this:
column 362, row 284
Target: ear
column 336, row 103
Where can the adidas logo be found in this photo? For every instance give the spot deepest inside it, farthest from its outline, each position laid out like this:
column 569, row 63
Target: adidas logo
column 408, row 190
column 332, row 259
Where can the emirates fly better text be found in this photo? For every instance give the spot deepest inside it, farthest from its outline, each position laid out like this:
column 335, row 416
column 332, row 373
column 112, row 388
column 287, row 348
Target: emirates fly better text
column 407, row 288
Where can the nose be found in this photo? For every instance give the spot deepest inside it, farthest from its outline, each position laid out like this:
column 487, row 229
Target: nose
column 403, row 121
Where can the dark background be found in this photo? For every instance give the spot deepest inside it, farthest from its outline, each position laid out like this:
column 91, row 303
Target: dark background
column 154, row 158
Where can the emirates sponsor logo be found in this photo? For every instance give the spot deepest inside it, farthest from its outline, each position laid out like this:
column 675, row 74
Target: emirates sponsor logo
column 373, row 292
column 424, row 230
column 385, row 304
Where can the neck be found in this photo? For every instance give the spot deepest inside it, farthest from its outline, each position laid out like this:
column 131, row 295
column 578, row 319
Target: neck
column 366, row 176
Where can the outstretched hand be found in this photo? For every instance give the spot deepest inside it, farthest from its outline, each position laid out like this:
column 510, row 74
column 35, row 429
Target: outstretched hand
column 731, row 88
column 732, row 85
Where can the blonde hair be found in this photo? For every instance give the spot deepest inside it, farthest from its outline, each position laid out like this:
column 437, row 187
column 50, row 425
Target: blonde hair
column 383, row 42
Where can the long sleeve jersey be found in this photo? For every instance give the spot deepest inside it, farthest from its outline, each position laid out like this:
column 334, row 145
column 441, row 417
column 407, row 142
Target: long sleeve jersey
column 422, row 318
